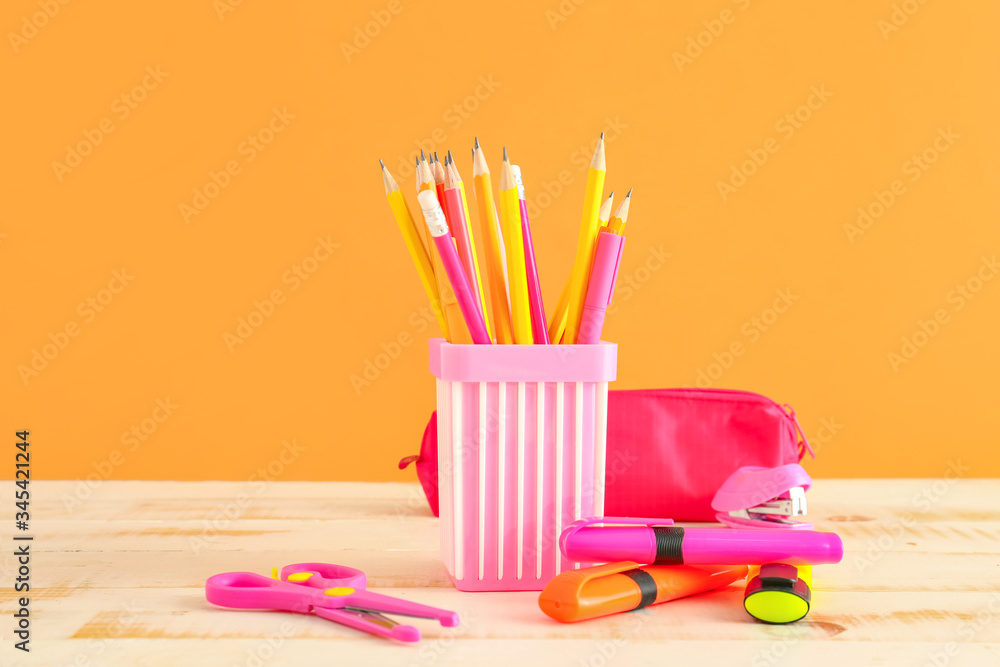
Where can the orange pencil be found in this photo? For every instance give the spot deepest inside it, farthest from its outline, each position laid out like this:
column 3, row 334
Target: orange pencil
column 496, row 269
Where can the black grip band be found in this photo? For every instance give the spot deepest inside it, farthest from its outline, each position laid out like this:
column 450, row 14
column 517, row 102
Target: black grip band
column 647, row 586
column 668, row 545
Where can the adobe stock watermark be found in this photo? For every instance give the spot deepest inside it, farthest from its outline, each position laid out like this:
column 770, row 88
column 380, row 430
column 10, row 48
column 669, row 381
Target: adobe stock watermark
column 264, row 308
column 966, row 631
column 121, row 108
column 544, row 196
column 132, row 439
column 60, row 339
column 431, row 650
column 900, row 15
column 914, row 167
column 365, row 34
column 30, row 25
column 223, row 7
column 390, row 350
column 828, row 428
column 221, row 518
column 924, row 500
column 249, row 149
column 751, row 331
column 121, row 622
column 697, row 43
column 268, row 646
column 562, row 12
column 606, row 650
column 960, row 296
column 786, row 126
column 453, row 117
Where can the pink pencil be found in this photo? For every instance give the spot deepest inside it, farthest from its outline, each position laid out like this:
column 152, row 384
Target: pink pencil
column 438, row 226
column 539, row 328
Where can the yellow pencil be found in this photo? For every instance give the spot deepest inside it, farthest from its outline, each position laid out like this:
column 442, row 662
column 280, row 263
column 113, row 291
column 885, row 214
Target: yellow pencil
column 557, row 325
column 618, row 220
column 496, row 282
column 457, row 331
column 401, row 211
column 585, row 243
column 472, row 244
column 510, row 223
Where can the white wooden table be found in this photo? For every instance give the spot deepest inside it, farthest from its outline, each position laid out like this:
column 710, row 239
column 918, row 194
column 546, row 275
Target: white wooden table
column 118, row 578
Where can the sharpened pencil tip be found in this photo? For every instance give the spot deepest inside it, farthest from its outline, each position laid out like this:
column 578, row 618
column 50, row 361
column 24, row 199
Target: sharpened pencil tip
column 422, row 158
column 436, row 158
column 629, row 193
column 450, row 158
column 505, row 154
column 417, row 161
column 602, row 136
column 475, row 143
column 382, row 164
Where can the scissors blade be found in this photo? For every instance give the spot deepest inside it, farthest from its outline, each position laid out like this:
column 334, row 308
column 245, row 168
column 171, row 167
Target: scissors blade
column 363, row 620
column 373, row 616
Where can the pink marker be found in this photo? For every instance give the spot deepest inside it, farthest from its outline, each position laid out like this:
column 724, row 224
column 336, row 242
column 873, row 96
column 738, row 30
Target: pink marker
column 438, row 226
column 600, row 289
column 658, row 542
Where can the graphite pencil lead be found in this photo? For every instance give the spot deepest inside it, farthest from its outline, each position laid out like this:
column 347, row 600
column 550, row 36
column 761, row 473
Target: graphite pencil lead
column 450, row 158
column 629, row 194
column 505, row 154
column 436, row 158
column 475, row 144
column 381, row 164
column 417, row 161
column 602, row 136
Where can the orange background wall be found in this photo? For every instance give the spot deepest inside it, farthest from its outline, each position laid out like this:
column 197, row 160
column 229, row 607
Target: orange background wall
column 903, row 110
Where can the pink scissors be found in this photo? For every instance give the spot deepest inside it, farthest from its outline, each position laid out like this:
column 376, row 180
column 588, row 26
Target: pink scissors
column 334, row 592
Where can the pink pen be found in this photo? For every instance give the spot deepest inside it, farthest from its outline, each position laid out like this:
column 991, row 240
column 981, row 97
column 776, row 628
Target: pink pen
column 656, row 541
column 539, row 328
column 600, row 289
column 438, row 226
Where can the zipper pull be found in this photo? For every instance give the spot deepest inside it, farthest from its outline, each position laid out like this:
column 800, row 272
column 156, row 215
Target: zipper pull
column 798, row 427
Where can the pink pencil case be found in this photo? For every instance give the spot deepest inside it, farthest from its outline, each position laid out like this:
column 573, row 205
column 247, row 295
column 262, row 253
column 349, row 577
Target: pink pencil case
column 669, row 450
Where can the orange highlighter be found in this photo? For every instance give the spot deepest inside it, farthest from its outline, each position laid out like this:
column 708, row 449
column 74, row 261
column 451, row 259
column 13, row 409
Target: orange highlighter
column 591, row 592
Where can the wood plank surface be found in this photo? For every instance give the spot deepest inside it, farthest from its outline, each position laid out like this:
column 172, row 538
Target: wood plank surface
column 118, row 575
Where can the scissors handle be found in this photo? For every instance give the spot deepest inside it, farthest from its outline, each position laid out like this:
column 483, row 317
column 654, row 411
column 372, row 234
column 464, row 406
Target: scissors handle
column 248, row 590
column 326, row 575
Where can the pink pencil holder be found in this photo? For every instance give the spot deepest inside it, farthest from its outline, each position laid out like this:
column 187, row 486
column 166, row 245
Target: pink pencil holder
column 521, row 453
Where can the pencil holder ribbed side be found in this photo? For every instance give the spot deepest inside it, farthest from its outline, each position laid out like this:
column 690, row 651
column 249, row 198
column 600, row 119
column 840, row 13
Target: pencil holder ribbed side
column 521, row 454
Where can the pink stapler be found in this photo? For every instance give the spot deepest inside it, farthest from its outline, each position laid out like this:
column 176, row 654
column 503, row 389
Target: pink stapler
column 755, row 497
